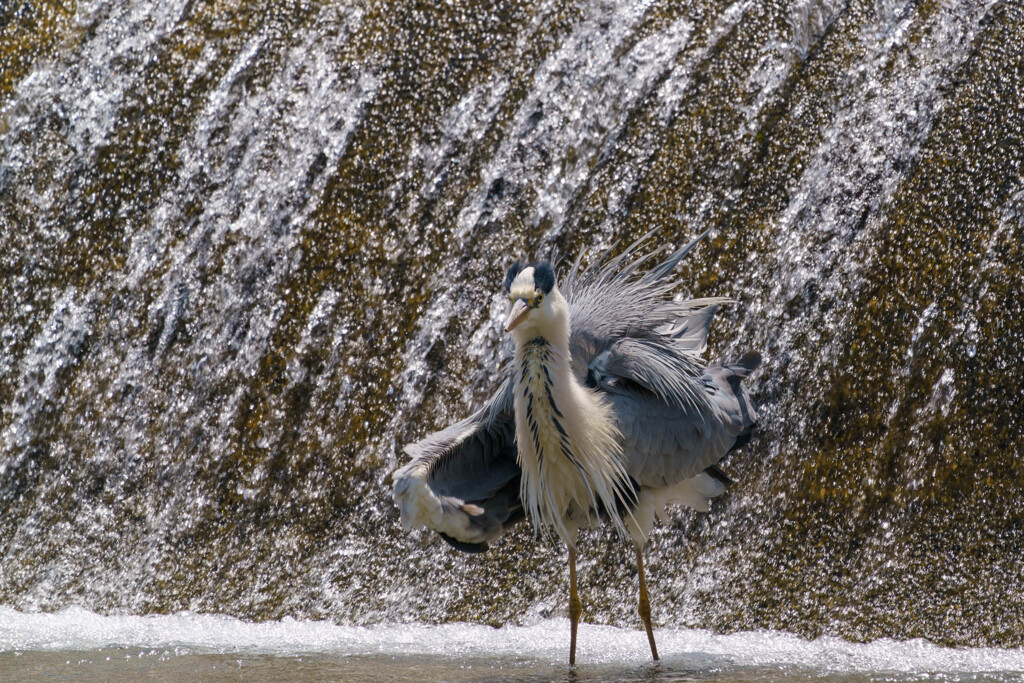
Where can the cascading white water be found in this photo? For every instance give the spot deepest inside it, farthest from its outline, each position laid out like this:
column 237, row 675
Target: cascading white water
column 251, row 249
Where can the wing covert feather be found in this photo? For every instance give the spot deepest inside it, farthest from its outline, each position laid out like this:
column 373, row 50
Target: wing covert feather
column 666, row 443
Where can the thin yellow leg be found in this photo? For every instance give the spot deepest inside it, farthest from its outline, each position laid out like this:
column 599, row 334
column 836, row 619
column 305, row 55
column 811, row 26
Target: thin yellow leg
column 575, row 607
column 645, row 603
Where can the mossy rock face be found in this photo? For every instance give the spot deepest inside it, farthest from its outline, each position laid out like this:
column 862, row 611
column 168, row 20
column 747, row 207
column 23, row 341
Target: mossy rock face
column 253, row 248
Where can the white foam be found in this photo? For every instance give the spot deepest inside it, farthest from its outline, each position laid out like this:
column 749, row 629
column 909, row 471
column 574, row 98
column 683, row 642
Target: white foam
column 77, row 629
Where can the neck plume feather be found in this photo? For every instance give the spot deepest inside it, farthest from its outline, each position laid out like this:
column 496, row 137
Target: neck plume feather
column 569, row 448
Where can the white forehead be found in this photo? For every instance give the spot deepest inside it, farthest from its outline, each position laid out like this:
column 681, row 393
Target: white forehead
column 524, row 278
column 523, row 284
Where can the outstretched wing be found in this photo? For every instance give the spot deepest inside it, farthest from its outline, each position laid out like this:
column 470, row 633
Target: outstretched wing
column 463, row 481
column 665, row 441
column 630, row 340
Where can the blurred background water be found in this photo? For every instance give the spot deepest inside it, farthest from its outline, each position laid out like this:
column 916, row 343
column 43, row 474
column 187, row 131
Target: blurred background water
column 251, row 248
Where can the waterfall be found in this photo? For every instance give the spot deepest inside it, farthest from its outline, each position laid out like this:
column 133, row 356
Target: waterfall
column 251, row 249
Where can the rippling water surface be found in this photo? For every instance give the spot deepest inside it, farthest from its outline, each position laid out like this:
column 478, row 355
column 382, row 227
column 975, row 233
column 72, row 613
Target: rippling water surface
column 75, row 643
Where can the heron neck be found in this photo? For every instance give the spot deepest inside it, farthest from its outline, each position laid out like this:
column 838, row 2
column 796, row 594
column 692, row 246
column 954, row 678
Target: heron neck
column 540, row 354
column 568, row 445
column 554, row 333
column 548, row 354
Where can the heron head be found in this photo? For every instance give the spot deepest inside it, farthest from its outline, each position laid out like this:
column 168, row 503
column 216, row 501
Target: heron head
column 529, row 288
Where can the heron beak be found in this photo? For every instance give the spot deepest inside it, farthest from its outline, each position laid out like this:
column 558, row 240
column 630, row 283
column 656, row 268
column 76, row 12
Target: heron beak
column 517, row 315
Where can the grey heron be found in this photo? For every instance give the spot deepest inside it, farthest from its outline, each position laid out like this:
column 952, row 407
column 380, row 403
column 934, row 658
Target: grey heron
column 608, row 412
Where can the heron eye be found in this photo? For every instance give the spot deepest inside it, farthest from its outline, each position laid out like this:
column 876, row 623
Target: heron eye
column 538, row 299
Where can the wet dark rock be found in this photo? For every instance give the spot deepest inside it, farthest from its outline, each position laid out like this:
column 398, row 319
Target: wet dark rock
column 251, row 250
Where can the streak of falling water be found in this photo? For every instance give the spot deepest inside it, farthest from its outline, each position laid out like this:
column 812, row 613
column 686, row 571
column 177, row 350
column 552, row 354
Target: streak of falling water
column 251, row 249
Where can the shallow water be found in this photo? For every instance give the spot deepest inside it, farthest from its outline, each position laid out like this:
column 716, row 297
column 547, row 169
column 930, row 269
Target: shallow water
column 76, row 643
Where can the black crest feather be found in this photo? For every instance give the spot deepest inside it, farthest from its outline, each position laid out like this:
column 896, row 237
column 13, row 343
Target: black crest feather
column 511, row 275
column 543, row 277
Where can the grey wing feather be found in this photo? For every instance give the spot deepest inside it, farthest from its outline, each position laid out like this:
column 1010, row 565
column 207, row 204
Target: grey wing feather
column 657, row 365
column 463, row 481
column 643, row 350
column 691, row 331
column 607, row 302
column 468, row 459
column 665, row 443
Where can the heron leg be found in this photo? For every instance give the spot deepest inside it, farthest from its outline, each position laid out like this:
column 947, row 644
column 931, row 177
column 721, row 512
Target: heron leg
column 644, row 607
column 575, row 607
